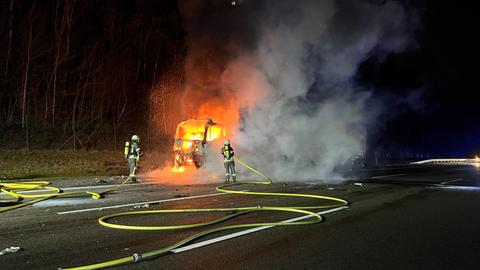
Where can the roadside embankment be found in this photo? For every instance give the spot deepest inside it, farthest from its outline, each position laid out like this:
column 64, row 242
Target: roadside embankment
column 16, row 164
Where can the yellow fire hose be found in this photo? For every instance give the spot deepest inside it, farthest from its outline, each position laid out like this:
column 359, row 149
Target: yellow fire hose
column 14, row 189
column 236, row 212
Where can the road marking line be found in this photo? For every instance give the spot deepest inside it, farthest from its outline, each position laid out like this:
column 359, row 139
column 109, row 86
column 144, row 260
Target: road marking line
column 385, row 176
column 249, row 231
column 139, row 203
column 87, row 187
column 474, row 188
column 451, row 181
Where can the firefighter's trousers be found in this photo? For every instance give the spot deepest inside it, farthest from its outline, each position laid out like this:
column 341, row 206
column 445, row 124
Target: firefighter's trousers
column 132, row 165
column 230, row 170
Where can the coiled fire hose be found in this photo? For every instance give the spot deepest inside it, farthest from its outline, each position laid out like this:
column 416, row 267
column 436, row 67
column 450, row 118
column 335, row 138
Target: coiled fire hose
column 14, row 189
column 236, row 211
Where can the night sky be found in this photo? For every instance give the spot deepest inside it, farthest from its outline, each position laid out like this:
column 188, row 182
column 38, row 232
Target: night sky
column 439, row 79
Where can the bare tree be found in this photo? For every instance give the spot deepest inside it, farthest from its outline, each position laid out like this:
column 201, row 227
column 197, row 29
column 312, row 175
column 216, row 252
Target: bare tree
column 58, row 80
column 10, row 34
column 119, row 110
column 27, row 69
column 62, row 30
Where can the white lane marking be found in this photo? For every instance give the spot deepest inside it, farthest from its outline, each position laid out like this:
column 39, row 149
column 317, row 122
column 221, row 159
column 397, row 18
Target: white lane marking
column 139, row 203
column 451, row 181
column 385, row 176
column 248, row 231
column 469, row 188
column 87, row 187
column 380, row 169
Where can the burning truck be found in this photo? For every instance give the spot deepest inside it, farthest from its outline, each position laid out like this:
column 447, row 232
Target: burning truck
column 191, row 138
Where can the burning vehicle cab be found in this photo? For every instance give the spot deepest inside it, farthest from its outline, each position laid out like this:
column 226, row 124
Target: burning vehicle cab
column 191, row 138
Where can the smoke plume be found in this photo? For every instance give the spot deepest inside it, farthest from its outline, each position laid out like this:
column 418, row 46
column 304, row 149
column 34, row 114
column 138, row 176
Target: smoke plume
column 285, row 73
column 315, row 117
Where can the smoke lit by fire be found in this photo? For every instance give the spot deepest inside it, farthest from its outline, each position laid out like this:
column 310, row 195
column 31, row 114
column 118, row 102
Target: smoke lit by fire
column 283, row 83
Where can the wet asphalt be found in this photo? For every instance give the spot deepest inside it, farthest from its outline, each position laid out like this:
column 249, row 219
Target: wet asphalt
column 401, row 217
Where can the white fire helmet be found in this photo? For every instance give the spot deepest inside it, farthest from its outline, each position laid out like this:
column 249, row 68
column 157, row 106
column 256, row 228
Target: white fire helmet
column 226, row 142
column 135, row 138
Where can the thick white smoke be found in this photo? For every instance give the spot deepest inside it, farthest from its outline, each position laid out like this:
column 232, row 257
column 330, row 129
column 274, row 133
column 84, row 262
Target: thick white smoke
column 302, row 113
column 289, row 67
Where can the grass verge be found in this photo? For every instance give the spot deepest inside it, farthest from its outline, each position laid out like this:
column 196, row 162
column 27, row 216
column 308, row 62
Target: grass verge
column 17, row 164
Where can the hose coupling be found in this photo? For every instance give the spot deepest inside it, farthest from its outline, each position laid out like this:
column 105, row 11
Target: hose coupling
column 137, row 257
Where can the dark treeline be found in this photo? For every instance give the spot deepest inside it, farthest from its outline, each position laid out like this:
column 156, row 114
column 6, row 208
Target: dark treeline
column 78, row 74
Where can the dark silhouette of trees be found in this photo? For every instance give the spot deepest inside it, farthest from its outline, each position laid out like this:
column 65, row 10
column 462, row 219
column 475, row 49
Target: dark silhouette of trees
column 80, row 74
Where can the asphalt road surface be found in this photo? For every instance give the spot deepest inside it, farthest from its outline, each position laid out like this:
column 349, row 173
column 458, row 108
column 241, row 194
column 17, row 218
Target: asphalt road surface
column 420, row 217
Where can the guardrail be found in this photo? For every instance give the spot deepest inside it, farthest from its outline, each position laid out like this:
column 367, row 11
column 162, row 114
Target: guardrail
column 448, row 161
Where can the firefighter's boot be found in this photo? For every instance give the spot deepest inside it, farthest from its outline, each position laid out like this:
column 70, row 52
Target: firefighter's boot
column 227, row 178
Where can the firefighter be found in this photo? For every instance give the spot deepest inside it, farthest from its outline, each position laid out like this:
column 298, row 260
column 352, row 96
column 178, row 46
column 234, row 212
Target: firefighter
column 132, row 154
column 228, row 162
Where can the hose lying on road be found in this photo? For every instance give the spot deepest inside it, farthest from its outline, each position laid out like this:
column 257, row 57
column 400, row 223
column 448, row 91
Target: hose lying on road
column 236, row 211
column 14, row 189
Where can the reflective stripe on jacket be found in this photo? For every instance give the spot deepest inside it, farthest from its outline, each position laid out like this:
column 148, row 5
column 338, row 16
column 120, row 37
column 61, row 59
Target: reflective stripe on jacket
column 227, row 153
column 134, row 151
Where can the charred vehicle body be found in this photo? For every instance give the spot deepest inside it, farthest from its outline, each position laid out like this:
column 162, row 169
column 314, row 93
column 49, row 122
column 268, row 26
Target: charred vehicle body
column 191, row 138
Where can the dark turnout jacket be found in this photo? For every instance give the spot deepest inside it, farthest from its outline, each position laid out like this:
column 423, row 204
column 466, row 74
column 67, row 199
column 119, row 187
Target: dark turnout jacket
column 227, row 153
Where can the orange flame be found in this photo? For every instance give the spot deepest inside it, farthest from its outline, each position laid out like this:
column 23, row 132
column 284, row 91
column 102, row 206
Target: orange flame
column 190, row 138
column 225, row 112
column 213, row 89
column 178, row 170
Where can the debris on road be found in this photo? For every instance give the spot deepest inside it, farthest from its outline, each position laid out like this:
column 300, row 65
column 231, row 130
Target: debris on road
column 100, row 181
column 339, row 188
column 181, row 195
column 142, row 206
column 10, row 250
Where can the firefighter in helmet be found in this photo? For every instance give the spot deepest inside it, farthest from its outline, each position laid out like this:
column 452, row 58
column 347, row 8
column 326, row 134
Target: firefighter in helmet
column 132, row 154
column 228, row 162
